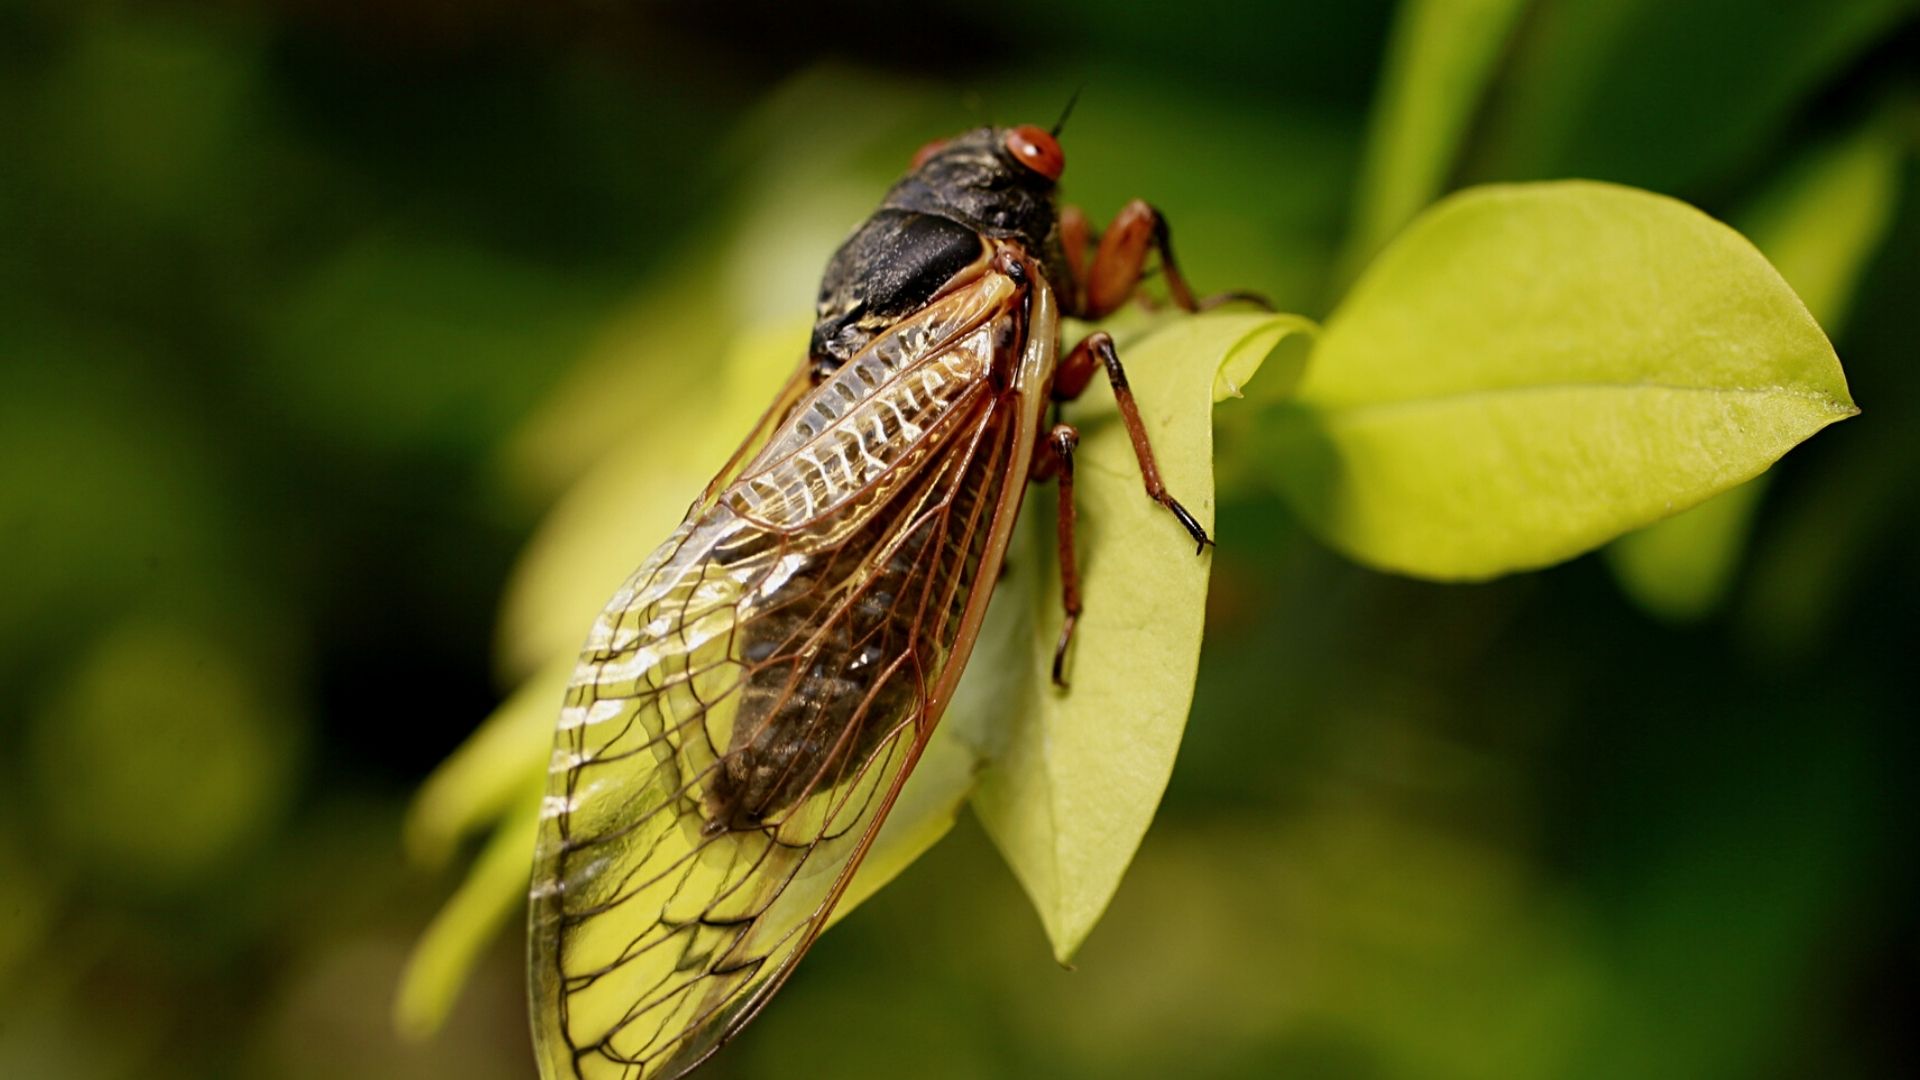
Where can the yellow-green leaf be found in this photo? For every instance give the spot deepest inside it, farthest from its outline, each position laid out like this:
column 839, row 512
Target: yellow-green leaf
column 1258, row 350
column 1531, row 370
column 1071, row 790
column 1819, row 225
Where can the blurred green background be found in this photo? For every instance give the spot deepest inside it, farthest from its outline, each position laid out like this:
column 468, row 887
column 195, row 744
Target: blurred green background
column 309, row 312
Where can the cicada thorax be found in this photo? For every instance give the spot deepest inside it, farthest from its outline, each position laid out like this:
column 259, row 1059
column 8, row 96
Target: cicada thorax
column 892, row 265
column 972, row 197
column 859, row 494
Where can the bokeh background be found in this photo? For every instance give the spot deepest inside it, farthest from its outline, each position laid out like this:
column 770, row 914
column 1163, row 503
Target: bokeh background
column 310, row 312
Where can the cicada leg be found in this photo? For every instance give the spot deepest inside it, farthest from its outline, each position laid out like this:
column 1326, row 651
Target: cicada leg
column 1056, row 462
column 1103, row 280
column 1072, row 377
column 1112, row 275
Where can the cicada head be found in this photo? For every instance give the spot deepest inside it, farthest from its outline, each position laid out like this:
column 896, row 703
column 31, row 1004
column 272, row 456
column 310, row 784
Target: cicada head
column 998, row 180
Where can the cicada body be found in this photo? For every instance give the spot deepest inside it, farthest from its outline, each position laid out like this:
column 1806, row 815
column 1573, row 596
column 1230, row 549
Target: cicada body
column 750, row 702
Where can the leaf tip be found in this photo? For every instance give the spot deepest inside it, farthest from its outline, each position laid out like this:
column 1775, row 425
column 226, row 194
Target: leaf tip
column 1840, row 408
column 1069, row 929
column 421, row 1004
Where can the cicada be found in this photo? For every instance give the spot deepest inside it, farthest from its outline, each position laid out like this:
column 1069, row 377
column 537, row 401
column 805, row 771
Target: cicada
column 750, row 702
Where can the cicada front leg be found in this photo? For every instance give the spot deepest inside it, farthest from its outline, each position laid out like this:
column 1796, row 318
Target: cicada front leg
column 1111, row 275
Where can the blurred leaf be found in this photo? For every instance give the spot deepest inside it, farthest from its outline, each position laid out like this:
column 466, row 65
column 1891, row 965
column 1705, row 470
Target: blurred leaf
column 161, row 756
column 812, row 160
column 494, row 890
column 104, row 481
column 407, row 344
column 1254, row 195
column 491, row 772
column 29, row 900
column 1529, row 371
column 641, row 357
column 1667, row 95
column 625, row 505
column 1820, row 224
column 1733, row 849
column 1069, row 796
column 148, row 117
column 1681, row 568
column 1439, row 60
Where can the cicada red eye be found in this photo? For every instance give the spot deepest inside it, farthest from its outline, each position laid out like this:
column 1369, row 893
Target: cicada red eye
column 921, row 155
column 1037, row 150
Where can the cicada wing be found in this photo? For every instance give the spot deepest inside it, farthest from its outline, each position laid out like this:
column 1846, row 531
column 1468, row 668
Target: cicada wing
column 750, row 702
column 660, row 937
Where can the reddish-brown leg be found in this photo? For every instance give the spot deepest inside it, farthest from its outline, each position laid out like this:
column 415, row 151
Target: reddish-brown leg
column 1113, row 274
column 1100, row 285
column 1121, row 260
column 1074, row 233
column 1072, row 377
column 1061, row 442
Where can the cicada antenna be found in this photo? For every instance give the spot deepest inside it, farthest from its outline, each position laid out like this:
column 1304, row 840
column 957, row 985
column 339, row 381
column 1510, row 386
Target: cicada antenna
column 1068, row 111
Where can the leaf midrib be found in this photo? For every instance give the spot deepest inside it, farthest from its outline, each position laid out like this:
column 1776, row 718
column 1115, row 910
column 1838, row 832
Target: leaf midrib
column 1827, row 401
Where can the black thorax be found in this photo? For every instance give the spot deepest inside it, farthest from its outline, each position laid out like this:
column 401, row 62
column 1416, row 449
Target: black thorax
column 930, row 227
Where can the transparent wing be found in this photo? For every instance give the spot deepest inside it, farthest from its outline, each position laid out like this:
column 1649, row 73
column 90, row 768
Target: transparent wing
column 749, row 703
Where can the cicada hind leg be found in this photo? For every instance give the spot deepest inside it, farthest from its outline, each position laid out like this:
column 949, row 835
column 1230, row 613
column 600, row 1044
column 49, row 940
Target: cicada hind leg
column 1103, row 280
column 1055, row 462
